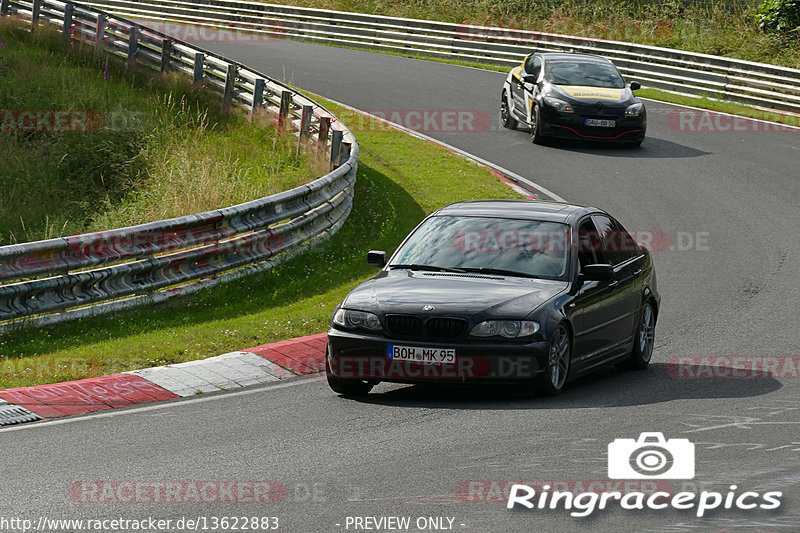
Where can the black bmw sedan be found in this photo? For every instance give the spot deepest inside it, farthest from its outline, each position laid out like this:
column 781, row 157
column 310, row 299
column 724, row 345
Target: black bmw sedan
column 498, row 291
column 574, row 96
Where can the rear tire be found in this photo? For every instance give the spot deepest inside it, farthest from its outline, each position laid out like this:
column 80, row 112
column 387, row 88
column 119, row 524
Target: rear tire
column 506, row 119
column 644, row 338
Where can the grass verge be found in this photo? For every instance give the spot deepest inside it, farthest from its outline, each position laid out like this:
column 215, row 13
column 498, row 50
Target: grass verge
column 400, row 180
column 151, row 148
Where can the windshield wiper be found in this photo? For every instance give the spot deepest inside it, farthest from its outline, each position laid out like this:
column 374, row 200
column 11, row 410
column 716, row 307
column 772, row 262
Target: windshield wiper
column 500, row 271
column 432, row 268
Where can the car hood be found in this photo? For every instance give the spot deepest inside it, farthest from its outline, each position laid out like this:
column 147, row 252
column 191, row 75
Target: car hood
column 579, row 94
column 452, row 294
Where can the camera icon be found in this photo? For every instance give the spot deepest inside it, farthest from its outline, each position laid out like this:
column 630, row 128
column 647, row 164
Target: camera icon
column 651, row 457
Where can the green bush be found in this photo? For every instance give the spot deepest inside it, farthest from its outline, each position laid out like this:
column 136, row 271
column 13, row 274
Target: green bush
column 779, row 18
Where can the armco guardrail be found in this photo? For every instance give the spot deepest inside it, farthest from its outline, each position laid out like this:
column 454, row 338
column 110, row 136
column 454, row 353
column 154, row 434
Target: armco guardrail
column 88, row 274
column 735, row 80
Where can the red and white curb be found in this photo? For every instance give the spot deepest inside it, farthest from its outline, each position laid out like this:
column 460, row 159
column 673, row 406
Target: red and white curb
column 270, row 362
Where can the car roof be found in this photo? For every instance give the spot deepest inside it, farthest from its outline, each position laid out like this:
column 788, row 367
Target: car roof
column 518, row 209
column 584, row 58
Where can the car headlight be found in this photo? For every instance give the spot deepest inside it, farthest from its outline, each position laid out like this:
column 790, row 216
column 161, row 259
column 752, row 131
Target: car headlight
column 510, row 329
column 634, row 110
column 348, row 318
column 558, row 105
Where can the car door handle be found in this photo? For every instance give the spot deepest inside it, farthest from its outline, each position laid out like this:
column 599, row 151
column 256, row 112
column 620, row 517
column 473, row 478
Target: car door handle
column 613, row 284
column 637, row 272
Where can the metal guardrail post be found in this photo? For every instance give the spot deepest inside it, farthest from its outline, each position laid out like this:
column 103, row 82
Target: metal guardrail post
column 166, row 56
column 133, row 46
column 324, row 130
column 230, row 85
column 336, row 147
column 283, row 114
column 258, row 96
column 258, row 92
column 4, row 5
column 344, row 152
column 100, row 33
column 66, row 29
column 305, row 121
column 199, row 64
column 36, row 11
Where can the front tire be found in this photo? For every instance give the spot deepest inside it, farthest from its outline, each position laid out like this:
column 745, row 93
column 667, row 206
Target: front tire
column 506, row 119
column 559, row 360
column 536, row 127
column 644, row 339
column 349, row 387
column 346, row 387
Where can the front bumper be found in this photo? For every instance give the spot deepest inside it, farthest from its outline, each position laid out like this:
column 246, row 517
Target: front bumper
column 357, row 355
column 573, row 126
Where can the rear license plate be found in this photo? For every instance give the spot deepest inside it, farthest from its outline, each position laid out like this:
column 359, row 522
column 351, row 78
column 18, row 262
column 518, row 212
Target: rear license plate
column 434, row 356
column 600, row 122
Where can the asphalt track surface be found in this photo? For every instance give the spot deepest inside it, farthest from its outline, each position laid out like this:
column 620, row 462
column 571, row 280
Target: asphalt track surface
column 406, row 451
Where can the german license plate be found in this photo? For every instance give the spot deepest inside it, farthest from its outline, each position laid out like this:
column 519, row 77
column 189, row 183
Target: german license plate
column 433, row 356
column 600, row 122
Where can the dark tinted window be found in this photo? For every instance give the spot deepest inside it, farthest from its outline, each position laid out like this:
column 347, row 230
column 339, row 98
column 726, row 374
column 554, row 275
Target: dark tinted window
column 628, row 247
column 588, row 244
column 532, row 247
column 529, row 63
column 617, row 244
column 533, row 65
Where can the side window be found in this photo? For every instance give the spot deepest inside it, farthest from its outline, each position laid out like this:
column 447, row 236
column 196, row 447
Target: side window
column 537, row 66
column 533, row 65
column 614, row 240
column 588, row 244
column 528, row 67
column 628, row 247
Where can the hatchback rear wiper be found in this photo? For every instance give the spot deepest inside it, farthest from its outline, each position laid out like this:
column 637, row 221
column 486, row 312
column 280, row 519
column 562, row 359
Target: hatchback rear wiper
column 432, row 268
column 499, row 271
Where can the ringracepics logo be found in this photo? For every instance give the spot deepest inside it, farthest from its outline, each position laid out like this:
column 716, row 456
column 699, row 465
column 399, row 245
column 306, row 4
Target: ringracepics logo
column 650, row 456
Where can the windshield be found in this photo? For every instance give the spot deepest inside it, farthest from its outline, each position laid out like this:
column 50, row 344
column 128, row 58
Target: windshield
column 584, row 74
column 529, row 248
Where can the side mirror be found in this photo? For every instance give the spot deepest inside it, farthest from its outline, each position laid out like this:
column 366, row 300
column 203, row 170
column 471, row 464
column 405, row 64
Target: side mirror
column 635, row 86
column 597, row 273
column 529, row 78
column 376, row 258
